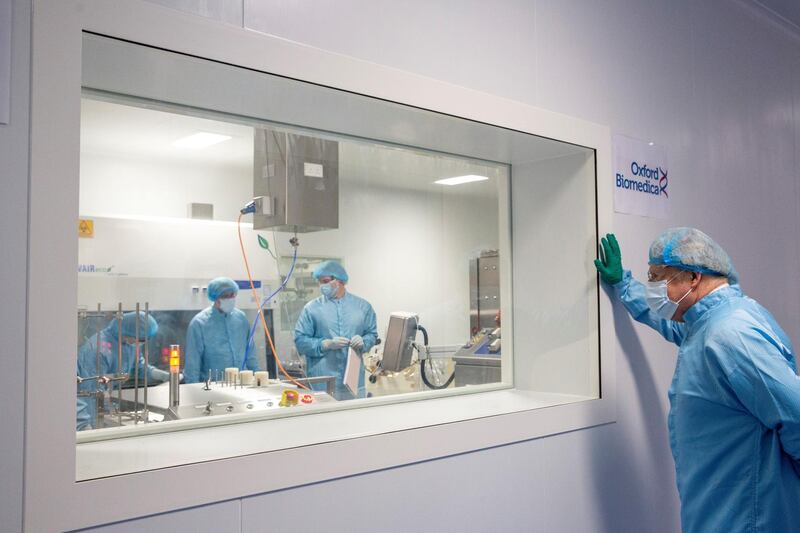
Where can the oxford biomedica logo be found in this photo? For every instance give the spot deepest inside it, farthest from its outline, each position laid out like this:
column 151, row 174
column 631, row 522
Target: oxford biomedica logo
column 641, row 178
column 647, row 180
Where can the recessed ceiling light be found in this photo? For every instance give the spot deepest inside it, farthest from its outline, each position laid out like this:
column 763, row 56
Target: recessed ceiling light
column 458, row 180
column 200, row 140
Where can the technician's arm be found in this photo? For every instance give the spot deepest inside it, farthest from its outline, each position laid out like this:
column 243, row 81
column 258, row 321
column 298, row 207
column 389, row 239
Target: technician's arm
column 154, row 374
column 370, row 334
column 87, row 365
column 83, row 417
column 631, row 293
column 252, row 359
column 194, row 353
column 305, row 341
column 766, row 385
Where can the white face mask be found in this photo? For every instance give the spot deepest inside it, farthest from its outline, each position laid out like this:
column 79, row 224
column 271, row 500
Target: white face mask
column 658, row 299
column 227, row 305
column 330, row 289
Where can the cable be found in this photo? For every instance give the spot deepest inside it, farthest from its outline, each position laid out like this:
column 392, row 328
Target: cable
column 260, row 310
column 263, row 304
column 422, row 365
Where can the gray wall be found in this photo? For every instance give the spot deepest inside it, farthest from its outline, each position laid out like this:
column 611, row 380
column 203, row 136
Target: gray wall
column 14, row 246
column 714, row 81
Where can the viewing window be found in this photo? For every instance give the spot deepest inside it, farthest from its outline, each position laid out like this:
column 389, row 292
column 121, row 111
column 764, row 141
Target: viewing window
column 169, row 226
column 379, row 240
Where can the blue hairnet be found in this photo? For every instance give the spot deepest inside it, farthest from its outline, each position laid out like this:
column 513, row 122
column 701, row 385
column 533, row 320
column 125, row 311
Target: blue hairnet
column 219, row 286
column 146, row 329
column 691, row 249
column 331, row 268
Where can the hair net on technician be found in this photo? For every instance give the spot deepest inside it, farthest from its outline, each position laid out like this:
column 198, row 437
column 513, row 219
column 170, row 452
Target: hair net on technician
column 332, row 269
column 147, row 328
column 219, row 286
column 691, row 249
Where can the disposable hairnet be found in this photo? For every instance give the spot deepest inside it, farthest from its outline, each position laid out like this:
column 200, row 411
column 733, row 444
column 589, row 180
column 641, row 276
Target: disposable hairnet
column 331, row 268
column 219, row 286
column 147, row 328
column 691, row 249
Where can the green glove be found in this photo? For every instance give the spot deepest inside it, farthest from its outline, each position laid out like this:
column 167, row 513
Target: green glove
column 610, row 263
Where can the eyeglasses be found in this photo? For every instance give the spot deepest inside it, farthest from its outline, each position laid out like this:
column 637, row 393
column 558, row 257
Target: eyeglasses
column 659, row 276
column 325, row 279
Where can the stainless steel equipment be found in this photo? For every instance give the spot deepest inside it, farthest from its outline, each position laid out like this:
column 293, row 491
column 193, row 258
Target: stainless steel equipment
column 108, row 412
column 477, row 370
column 399, row 344
column 172, row 327
column 174, row 375
column 295, row 182
column 484, row 290
column 479, row 361
column 206, row 399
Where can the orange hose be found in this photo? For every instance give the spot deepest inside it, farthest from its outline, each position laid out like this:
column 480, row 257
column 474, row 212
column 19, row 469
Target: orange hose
column 260, row 310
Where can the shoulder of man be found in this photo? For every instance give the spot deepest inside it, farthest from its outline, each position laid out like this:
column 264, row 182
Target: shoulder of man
column 239, row 314
column 734, row 332
column 314, row 302
column 201, row 315
column 358, row 299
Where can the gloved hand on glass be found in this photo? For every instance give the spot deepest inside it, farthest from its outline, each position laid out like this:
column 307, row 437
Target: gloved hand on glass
column 610, row 263
column 357, row 343
column 335, row 343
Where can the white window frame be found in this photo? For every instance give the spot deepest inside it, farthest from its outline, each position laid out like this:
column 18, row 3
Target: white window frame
column 53, row 499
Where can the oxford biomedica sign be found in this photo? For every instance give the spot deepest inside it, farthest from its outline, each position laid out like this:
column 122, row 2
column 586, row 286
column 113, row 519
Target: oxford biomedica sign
column 641, row 179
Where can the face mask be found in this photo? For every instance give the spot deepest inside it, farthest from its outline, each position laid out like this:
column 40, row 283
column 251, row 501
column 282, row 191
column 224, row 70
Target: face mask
column 328, row 289
column 658, row 300
column 227, row 305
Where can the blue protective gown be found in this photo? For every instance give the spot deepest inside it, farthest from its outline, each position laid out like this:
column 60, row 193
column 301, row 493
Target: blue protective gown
column 83, row 416
column 734, row 419
column 324, row 318
column 109, row 355
column 216, row 341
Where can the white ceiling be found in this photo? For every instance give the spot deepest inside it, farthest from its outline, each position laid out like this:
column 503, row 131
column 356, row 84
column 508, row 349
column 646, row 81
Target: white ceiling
column 133, row 132
column 141, row 134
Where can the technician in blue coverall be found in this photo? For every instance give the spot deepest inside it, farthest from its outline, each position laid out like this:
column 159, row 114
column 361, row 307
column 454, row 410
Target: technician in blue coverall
column 734, row 418
column 105, row 343
column 331, row 324
column 217, row 335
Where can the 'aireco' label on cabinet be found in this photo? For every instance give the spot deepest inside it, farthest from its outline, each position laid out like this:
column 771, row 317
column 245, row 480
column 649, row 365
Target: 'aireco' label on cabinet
column 641, row 178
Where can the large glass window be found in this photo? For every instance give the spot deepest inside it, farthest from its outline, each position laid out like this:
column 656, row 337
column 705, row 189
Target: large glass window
column 253, row 247
column 353, row 248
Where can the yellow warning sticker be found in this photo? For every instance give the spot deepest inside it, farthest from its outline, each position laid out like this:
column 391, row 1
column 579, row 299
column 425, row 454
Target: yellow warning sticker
column 86, row 228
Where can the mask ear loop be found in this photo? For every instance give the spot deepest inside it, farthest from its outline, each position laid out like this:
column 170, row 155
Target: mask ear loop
column 687, row 292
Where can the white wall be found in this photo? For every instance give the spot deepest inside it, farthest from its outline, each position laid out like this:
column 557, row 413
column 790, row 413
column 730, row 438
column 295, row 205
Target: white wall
column 714, row 81
column 13, row 243
column 556, row 332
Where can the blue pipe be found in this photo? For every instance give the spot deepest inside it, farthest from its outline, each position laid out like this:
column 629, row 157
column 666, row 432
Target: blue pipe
column 264, row 302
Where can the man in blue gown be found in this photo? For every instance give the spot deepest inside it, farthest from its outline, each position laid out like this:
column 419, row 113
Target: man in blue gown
column 217, row 335
column 332, row 324
column 734, row 418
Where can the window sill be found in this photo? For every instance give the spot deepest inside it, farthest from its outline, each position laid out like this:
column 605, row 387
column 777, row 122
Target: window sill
column 151, row 452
